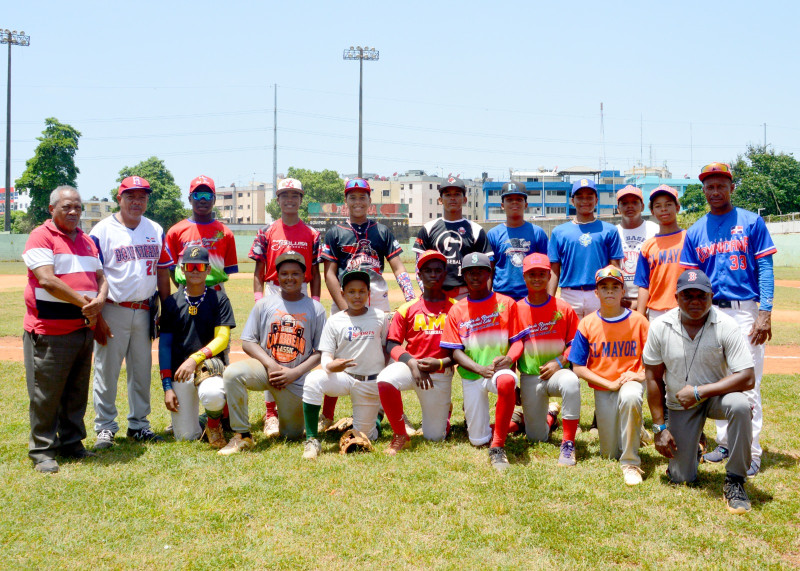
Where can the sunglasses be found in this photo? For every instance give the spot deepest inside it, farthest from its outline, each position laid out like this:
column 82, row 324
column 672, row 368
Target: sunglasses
column 609, row 272
column 194, row 267
column 717, row 167
column 202, row 195
column 356, row 183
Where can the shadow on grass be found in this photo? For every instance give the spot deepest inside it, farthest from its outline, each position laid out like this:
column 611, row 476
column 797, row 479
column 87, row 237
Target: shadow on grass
column 121, row 453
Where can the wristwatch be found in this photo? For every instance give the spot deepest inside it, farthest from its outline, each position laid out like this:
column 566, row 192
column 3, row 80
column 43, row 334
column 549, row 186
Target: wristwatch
column 659, row 428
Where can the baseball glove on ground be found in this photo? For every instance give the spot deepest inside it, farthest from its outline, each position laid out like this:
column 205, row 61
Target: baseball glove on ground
column 209, row 368
column 354, row 441
column 341, row 425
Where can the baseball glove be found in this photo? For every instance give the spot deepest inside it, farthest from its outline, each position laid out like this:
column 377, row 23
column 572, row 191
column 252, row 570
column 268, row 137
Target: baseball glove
column 209, row 368
column 354, row 441
column 341, row 425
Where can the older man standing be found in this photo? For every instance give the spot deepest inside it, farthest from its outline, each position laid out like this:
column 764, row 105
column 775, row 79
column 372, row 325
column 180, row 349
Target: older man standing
column 66, row 291
column 131, row 250
column 698, row 358
column 733, row 247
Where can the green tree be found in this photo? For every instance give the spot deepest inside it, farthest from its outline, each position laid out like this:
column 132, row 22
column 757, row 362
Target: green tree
column 165, row 205
column 52, row 165
column 767, row 181
column 21, row 222
column 319, row 186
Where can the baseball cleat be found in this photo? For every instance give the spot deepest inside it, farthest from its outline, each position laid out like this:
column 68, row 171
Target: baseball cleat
column 735, row 497
column 324, row 423
column 216, row 439
column 567, row 455
column 237, row 444
column 753, row 470
column 311, row 449
column 632, row 474
column 498, row 458
column 105, row 439
column 719, row 454
column 144, row 435
column 271, row 426
column 399, row 442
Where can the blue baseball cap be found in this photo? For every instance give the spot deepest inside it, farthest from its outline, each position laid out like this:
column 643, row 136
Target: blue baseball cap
column 583, row 183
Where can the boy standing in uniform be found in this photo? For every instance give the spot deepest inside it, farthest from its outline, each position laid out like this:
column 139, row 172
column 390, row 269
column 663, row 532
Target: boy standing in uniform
column 633, row 231
column 607, row 353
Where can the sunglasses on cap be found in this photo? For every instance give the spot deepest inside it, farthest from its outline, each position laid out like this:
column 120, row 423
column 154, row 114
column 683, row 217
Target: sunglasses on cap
column 194, row 267
column 723, row 168
column 356, row 183
column 202, row 195
column 609, row 272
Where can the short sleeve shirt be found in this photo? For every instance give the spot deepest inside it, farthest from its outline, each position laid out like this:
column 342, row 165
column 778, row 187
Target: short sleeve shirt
column 214, row 237
column 549, row 330
column 510, row 246
column 420, row 324
column 632, row 241
column 454, row 239
column 659, row 268
column 582, row 249
column 718, row 348
column 277, row 238
column 610, row 347
column 361, row 338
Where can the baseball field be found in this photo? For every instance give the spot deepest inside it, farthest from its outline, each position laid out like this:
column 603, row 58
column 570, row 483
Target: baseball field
column 180, row 505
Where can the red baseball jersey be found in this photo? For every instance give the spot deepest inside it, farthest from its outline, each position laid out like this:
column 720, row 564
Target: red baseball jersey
column 420, row 323
column 214, row 237
column 277, row 238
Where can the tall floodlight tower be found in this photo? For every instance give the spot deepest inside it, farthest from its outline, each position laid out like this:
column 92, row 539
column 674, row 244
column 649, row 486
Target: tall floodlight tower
column 361, row 54
column 12, row 39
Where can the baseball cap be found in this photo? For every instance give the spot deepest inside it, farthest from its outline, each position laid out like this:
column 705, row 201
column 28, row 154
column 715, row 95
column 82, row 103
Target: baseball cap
column 453, row 182
column 583, row 183
column 535, row 261
column 360, row 275
column 664, row 189
column 715, row 168
column 476, row 260
column 290, row 256
column 194, row 255
column 356, row 184
column 630, row 189
column 290, row 184
column 514, row 188
column 202, row 180
column 134, row 183
column 694, row 279
column 609, row 273
column 429, row 255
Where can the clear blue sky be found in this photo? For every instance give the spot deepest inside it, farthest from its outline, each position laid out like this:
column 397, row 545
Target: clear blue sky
column 461, row 88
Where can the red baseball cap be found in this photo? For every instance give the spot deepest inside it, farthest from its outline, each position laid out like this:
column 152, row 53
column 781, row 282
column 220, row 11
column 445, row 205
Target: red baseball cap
column 429, row 255
column 134, row 183
column 664, row 189
column 715, row 168
column 632, row 190
column 202, row 180
column 535, row 261
column 357, row 184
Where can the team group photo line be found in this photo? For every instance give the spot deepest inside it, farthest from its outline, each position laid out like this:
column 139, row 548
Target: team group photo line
column 646, row 310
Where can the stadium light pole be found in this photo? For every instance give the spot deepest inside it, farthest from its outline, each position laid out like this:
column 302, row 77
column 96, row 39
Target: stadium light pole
column 12, row 39
column 361, row 54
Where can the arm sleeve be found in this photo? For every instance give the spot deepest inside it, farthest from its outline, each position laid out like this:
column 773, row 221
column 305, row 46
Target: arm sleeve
column 259, row 247
column 766, row 283
column 165, row 360
column 222, row 336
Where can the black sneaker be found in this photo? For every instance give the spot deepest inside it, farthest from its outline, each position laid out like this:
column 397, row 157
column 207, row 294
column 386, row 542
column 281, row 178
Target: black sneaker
column 735, row 496
column 144, row 435
column 498, row 458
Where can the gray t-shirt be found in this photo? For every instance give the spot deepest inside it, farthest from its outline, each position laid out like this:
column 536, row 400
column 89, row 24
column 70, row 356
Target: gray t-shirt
column 720, row 350
column 360, row 338
column 289, row 331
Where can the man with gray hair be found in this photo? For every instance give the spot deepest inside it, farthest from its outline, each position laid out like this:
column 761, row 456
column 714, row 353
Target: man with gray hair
column 66, row 291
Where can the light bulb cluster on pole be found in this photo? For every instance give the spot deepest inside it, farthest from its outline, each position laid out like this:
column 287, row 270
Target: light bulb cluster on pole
column 12, row 38
column 361, row 54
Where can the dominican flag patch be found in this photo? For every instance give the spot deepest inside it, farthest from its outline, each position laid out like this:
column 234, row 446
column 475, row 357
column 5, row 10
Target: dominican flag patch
column 737, row 230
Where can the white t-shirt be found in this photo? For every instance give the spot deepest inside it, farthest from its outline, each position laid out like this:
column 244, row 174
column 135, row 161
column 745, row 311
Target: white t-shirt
column 130, row 257
column 632, row 240
column 359, row 338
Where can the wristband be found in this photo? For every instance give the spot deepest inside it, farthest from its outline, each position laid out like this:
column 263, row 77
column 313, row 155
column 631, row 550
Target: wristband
column 659, row 428
column 696, row 395
column 315, row 297
column 560, row 364
column 441, row 364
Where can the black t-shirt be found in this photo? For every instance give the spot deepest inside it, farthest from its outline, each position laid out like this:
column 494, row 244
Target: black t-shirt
column 454, row 239
column 193, row 332
column 360, row 246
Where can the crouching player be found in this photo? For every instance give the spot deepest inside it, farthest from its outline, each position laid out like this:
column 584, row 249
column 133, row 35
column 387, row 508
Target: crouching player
column 422, row 364
column 549, row 325
column 607, row 353
column 476, row 331
column 352, row 348
column 280, row 337
column 196, row 324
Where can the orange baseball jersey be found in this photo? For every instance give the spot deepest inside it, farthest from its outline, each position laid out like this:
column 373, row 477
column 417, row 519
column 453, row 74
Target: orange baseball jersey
column 549, row 330
column 420, row 324
column 610, row 347
column 659, row 267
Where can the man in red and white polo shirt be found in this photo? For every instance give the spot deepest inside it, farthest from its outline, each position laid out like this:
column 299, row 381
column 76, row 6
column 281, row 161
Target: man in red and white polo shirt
column 66, row 291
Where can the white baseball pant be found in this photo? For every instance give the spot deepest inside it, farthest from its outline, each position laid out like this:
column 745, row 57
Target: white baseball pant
column 210, row 393
column 535, row 394
column 583, row 302
column 363, row 396
column 476, row 406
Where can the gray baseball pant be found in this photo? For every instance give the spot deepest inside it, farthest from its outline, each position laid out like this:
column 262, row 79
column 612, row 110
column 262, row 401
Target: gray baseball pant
column 619, row 422
column 535, row 395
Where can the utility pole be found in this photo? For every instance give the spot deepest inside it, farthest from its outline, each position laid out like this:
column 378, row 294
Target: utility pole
column 275, row 143
column 12, row 39
column 361, row 54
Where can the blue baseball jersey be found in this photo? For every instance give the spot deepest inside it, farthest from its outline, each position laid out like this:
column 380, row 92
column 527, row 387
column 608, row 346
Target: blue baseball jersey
column 726, row 248
column 510, row 246
column 582, row 249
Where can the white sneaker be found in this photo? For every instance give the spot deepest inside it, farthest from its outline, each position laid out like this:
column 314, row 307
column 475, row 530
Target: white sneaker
column 632, row 474
column 311, row 449
column 271, row 427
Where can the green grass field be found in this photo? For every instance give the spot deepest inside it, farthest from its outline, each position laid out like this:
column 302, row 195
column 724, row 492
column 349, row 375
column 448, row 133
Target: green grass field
column 180, row 505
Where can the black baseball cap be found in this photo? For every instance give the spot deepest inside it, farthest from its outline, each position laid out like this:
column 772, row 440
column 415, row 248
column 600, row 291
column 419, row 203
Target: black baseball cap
column 290, row 256
column 476, row 260
column 194, row 255
column 453, row 182
column 694, row 279
column 514, row 188
column 352, row 275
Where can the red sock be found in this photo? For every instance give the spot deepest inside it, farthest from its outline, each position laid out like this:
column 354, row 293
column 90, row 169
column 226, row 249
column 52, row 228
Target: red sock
column 514, row 427
column 329, row 406
column 570, row 428
column 503, row 410
column 272, row 409
column 213, row 422
column 392, row 403
column 551, row 419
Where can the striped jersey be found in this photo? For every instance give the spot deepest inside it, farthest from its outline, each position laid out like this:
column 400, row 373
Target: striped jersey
column 548, row 331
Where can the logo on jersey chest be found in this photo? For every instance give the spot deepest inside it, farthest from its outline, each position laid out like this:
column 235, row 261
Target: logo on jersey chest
column 286, row 339
column 614, row 349
column 449, row 244
column 585, row 239
column 722, row 247
column 517, row 249
column 429, row 323
column 355, row 333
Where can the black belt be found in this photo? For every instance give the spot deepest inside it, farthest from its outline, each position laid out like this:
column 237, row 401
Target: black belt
column 728, row 303
column 583, row 287
column 363, row 377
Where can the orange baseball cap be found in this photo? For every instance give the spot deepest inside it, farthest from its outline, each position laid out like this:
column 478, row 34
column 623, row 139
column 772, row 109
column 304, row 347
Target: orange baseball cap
column 535, row 261
column 715, row 168
column 632, row 190
column 664, row 189
column 429, row 255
